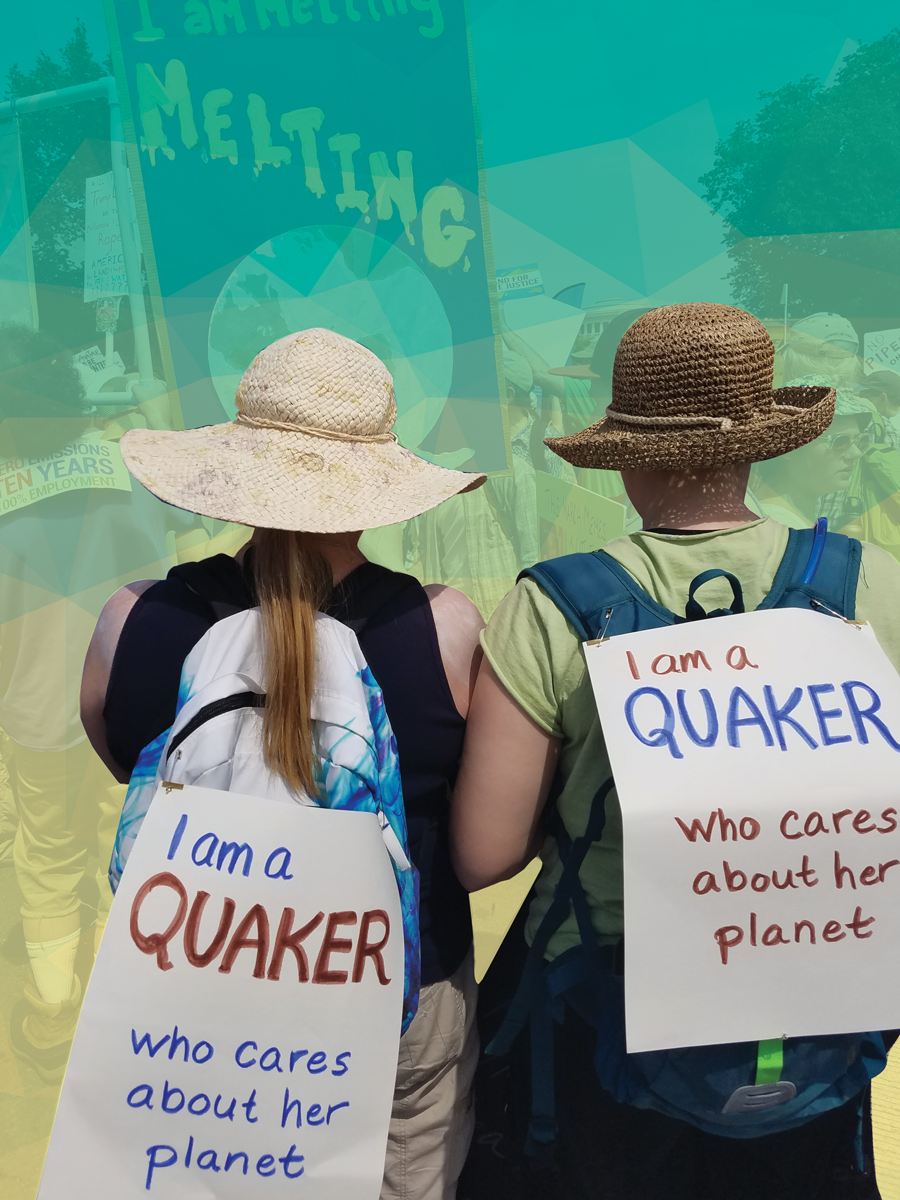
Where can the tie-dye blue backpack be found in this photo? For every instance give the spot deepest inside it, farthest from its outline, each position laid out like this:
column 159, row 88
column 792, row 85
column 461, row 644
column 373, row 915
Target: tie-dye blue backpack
column 216, row 741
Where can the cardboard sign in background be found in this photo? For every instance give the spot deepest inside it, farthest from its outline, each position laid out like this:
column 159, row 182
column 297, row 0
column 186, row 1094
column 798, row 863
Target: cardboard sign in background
column 226, row 1058
column 757, row 764
column 573, row 520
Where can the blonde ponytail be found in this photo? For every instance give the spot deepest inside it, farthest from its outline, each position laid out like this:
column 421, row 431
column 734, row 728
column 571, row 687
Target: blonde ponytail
column 292, row 581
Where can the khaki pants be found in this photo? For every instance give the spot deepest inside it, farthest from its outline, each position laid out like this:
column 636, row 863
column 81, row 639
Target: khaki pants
column 432, row 1117
column 66, row 800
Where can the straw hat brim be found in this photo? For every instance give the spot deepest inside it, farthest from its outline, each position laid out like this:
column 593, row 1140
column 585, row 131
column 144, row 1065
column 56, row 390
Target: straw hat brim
column 278, row 479
column 614, row 445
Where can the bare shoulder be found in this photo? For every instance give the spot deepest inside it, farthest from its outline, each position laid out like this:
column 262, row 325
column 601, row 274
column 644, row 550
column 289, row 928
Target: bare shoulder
column 453, row 606
column 98, row 664
column 115, row 612
column 458, row 624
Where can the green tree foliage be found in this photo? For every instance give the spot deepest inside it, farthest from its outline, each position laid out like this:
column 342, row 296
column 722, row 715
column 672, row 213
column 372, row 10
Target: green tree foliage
column 810, row 188
column 60, row 148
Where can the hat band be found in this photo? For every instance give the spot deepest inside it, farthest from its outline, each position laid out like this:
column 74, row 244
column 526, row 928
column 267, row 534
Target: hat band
column 333, row 434
column 724, row 423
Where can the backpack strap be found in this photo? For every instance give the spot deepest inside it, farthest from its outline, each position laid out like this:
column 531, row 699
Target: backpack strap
column 566, row 886
column 363, row 593
column 819, row 571
column 598, row 596
column 219, row 581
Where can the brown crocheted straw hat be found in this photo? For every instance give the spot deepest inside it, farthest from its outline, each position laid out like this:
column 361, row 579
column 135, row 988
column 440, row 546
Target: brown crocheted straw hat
column 692, row 388
column 311, row 448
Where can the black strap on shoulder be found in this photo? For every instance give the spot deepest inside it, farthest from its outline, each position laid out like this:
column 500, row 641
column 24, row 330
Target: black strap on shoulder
column 219, row 581
column 363, row 593
column 227, row 589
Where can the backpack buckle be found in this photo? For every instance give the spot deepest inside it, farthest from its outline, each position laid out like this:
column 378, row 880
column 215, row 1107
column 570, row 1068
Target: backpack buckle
column 758, row 1096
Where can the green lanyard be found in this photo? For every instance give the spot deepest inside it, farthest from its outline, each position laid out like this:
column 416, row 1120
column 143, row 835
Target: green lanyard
column 770, row 1061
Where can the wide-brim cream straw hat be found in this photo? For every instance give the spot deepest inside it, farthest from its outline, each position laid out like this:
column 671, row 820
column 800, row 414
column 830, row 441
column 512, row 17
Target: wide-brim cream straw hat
column 311, row 448
column 692, row 388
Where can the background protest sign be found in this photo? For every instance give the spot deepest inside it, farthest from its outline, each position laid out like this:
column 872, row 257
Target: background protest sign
column 90, row 462
column 882, row 350
column 756, row 761
column 573, row 520
column 332, row 157
column 104, row 263
column 242, row 1022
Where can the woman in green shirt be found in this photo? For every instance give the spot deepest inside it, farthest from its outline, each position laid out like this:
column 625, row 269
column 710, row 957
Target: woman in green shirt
column 684, row 434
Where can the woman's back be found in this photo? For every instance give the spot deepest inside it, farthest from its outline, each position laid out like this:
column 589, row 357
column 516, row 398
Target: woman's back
column 394, row 619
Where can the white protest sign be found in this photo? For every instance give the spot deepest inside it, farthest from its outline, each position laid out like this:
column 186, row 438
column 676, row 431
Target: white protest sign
column 95, row 370
column 757, row 764
column 104, row 261
column 241, row 1027
column 515, row 282
column 882, row 349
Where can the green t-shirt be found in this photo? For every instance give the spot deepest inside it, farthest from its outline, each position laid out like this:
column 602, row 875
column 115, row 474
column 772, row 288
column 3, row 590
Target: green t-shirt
column 537, row 656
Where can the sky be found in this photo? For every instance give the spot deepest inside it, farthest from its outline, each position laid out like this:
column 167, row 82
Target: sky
column 554, row 77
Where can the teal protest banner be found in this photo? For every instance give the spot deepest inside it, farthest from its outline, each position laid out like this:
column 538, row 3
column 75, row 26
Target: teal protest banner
column 316, row 163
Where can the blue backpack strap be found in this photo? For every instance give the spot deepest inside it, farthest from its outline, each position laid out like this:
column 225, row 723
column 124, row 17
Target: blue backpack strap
column 597, row 596
column 819, row 571
column 558, row 911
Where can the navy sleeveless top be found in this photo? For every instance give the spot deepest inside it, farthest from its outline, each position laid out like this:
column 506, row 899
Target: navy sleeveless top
column 392, row 618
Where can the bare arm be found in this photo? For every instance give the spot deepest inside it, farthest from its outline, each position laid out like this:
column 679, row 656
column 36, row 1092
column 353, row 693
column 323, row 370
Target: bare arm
column 98, row 664
column 549, row 384
column 507, row 766
column 458, row 623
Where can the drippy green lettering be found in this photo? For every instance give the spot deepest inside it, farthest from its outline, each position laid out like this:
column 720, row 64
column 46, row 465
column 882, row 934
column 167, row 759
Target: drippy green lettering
column 214, row 122
column 263, row 150
column 153, row 96
column 306, row 122
column 391, row 189
column 444, row 245
column 346, row 144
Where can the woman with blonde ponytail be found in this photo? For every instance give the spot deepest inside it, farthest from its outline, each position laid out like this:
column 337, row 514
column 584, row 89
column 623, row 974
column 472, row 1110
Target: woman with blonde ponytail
column 292, row 582
column 309, row 462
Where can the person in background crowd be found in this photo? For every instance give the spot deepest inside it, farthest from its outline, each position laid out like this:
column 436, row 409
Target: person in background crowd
column 816, row 479
column 421, row 644
column 514, row 498
column 823, row 344
column 881, row 389
column 823, row 350
column 60, row 544
column 534, row 732
column 789, row 489
column 871, row 507
column 584, row 391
